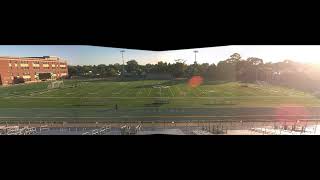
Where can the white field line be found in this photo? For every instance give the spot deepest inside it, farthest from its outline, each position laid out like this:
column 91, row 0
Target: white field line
column 116, row 93
column 139, row 92
column 194, row 91
column 119, row 90
column 105, row 89
column 124, row 88
column 149, row 92
column 179, row 90
column 42, row 91
column 115, row 88
column 200, row 90
column 77, row 91
column 82, row 90
column 145, row 90
column 171, row 92
column 131, row 92
column 191, row 91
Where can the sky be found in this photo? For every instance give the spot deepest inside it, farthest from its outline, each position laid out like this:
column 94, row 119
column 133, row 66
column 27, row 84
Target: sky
column 90, row 55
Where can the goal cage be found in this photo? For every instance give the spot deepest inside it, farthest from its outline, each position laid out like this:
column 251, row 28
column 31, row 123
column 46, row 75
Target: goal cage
column 55, row 84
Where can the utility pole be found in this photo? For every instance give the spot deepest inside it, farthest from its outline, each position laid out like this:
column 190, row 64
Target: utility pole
column 122, row 51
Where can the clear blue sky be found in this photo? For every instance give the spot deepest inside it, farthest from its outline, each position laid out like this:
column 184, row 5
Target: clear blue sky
column 103, row 55
column 78, row 54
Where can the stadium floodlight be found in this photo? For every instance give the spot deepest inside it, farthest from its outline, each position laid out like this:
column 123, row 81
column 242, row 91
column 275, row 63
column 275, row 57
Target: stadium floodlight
column 122, row 51
column 195, row 55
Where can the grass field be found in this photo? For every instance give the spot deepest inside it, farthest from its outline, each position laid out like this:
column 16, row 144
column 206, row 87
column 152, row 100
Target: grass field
column 150, row 93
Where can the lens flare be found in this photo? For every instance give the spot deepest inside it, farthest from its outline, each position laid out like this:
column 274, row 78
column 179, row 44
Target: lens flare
column 291, row 113
column 195, row 81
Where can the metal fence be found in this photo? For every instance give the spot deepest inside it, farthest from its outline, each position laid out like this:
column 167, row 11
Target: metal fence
column 132, row 127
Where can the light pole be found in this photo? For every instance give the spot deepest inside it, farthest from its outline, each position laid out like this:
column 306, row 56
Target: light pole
column 195, row 55
column 256, row 74
column 122, row 51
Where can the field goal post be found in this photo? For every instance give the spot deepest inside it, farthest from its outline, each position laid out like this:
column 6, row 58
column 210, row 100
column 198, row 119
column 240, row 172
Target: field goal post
column 55, row 84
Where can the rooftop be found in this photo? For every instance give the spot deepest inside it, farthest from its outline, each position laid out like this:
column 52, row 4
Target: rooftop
column 36, row 58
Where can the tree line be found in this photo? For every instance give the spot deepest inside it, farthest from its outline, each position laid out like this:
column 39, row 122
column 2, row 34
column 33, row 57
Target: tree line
column 234, row 68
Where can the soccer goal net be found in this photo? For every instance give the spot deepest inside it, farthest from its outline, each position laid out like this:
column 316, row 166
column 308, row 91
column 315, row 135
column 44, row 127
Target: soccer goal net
column 55, row 84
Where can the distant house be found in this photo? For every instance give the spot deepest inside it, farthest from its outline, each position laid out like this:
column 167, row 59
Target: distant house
column 159, row 76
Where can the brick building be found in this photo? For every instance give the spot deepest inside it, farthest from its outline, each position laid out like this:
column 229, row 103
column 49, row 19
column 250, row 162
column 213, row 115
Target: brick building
column 31, row 68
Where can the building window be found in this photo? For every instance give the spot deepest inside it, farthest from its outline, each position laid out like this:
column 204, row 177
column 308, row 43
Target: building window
column 45, row 66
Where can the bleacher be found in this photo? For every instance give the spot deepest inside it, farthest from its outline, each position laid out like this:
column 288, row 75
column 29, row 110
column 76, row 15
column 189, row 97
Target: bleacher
column 201, row 132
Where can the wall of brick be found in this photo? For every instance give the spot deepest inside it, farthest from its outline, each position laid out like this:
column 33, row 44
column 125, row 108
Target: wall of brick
column 24, row 67
column 4, row 74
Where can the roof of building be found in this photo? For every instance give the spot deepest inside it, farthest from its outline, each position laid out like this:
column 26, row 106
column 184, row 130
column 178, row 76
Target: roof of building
column 50, row 58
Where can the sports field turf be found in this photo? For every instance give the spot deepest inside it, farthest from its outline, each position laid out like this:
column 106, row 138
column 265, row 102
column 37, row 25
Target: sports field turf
column 150, row 93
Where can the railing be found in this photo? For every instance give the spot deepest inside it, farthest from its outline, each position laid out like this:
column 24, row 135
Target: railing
column 133, row 126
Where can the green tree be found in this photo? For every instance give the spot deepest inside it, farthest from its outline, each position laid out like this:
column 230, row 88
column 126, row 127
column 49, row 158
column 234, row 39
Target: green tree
column 203, row 69
column 226, row 71
column 179, row 68
column 112, row 72
column 132, row 66
column 235, row 57
column 193, row 69
column 73, row 71
column 211, row 73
